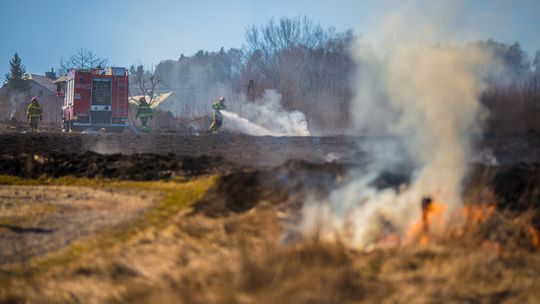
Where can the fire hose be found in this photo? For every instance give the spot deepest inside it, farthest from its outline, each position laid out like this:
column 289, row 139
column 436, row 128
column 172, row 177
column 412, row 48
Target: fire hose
column 134, row 129
column 192, row 120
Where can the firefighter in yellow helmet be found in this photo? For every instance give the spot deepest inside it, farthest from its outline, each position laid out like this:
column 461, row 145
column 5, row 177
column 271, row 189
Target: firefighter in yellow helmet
column 34, row 114
column 217, row 117
column 144, row 112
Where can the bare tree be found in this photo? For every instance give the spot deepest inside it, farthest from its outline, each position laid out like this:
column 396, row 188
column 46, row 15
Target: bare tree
column 83, row 59
column 144, row 81
column 199, row 79
column 536, row 70
column 310, row 66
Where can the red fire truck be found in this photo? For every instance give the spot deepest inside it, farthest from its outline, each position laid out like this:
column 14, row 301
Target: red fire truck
column 94, row 99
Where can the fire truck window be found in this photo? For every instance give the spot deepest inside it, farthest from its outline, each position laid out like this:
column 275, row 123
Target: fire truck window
column 101, row 91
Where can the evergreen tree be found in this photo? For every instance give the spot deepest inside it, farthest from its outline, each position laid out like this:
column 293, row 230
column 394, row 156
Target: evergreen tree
column 536, row 63
column 15, row 79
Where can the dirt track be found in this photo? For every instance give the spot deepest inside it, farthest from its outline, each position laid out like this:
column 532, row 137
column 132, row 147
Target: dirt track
column 38, row 219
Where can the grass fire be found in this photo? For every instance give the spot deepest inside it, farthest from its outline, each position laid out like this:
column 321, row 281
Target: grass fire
column 177, row 152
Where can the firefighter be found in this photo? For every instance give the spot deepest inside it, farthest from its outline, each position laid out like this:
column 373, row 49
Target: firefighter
column 217, row 117
column 34, row 114
column 144, row 112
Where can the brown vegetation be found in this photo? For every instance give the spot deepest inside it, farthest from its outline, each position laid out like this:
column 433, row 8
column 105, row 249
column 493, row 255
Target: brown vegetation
column 234, row 245
column 239, row 259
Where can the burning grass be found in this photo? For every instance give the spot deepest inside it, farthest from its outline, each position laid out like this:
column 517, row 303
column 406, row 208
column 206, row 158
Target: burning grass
column 239, row 259
column 316, row 271
column 479, row 253
column 493, row 257
column 472, row 226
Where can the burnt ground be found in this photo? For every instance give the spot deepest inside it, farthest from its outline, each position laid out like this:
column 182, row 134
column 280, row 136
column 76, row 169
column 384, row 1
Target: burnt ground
column 245, row 150
column 274, row 168
column 262, row 164
column 239, row 149
column 119, row 166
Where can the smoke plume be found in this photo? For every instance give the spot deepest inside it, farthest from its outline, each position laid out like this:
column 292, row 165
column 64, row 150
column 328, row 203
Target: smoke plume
column 265, row 116
column 242, row 125
column 14, row 106
column 426, row 92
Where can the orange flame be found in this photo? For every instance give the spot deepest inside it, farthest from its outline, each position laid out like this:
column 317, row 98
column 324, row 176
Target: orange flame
column 467, row 220
column 432, row 217
column 535, row 236
column 477, row 214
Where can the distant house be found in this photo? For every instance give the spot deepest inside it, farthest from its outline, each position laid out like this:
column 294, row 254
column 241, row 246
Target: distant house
column 42, row 87
column 167, row 109
column 165, row 102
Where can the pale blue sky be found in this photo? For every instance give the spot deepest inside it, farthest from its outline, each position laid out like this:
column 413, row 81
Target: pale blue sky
column 135, row 31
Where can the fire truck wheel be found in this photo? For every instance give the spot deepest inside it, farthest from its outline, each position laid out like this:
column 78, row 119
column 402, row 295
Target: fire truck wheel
column 67, row 126
column 63, row 125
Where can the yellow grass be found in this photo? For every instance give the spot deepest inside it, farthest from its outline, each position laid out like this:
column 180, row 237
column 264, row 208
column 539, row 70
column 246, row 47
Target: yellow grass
column 173, row 197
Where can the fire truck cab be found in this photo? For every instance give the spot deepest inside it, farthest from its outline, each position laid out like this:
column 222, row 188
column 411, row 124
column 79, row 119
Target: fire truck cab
column 94, row 99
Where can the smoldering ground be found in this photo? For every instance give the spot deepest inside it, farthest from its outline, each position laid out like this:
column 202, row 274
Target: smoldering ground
column 416, row 82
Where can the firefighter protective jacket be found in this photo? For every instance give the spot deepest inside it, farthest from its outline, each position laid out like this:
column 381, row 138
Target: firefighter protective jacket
column 144, row 110
column 34, row 110
column 218, row 106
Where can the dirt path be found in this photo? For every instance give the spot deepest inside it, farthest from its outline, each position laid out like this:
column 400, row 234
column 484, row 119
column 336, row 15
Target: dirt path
column 38, row 219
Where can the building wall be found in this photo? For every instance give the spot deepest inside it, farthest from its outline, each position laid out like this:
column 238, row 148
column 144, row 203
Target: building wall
column 50, row 103
column 15, row 104
column 171, row 105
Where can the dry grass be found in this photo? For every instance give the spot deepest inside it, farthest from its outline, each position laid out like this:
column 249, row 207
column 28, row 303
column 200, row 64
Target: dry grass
column 239, row 260
column 173, row 197
column 184, row 258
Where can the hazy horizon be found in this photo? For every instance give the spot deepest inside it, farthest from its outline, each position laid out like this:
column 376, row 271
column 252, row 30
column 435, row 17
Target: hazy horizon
column 43, row 32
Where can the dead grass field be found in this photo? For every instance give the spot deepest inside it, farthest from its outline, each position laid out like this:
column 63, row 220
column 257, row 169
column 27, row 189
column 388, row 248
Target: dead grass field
column 37, row 219
column 177, row 256
column 225, row 238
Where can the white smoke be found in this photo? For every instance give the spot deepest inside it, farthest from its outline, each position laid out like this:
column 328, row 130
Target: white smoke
column 234, row 122
column 15, row 106
column 266, row 116
column 12, row 107
column 426, row 93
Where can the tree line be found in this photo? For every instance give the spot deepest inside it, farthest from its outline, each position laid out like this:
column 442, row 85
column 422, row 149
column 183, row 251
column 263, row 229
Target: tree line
column 312, row 68
column 308, row 65
column 513, row 93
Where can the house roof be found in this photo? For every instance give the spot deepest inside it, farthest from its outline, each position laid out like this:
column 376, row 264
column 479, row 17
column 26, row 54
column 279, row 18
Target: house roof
column 61, row 79
column 160, row 98
column 44, row 81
